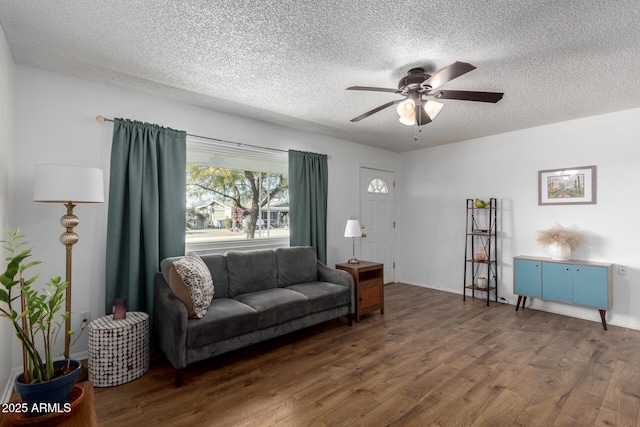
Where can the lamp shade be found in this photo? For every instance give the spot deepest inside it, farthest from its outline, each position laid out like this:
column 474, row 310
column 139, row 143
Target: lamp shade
column 54, row 183
column 406, row 111
column 432, row 108
column 408, row 121
column 406, row 108
column 352, row 229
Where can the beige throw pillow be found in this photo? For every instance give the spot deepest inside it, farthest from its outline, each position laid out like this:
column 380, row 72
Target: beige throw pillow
column 181, row 291
column 191, row 282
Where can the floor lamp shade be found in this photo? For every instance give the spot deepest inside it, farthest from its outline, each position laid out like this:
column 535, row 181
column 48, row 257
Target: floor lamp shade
column 66, row 183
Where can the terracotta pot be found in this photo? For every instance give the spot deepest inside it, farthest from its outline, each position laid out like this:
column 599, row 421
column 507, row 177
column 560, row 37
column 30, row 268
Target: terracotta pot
column 481, row 254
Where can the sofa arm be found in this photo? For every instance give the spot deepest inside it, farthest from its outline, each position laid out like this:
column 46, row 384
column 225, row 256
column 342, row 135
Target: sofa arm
column 339, row 277
column 170, row 322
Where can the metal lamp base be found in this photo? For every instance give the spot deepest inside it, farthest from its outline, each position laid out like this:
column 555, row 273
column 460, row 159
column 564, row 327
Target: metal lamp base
column 353, row 259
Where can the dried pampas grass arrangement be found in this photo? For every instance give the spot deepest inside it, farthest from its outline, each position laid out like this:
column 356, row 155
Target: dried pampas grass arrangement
column 560, row 235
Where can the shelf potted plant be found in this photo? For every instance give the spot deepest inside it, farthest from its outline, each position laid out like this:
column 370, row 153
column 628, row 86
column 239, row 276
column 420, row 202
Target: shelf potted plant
column 559, row 241
column 37, row 318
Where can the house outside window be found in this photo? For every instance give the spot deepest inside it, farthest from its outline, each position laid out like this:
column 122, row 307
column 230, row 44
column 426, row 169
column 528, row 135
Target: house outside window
column 237, row 196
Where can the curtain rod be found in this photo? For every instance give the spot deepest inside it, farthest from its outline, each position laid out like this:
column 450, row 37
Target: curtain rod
column 103, row 119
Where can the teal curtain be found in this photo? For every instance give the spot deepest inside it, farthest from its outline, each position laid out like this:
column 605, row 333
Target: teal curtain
column 147, row 209
column 308, row 188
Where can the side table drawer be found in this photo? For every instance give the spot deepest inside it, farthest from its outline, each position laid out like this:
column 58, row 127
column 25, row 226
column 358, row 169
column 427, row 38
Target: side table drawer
column 370, row 295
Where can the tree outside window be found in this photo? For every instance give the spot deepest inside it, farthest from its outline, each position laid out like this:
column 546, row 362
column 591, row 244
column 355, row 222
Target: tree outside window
column 235, row 202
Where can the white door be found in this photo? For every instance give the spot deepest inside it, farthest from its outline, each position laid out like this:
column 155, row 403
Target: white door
column 376, row 218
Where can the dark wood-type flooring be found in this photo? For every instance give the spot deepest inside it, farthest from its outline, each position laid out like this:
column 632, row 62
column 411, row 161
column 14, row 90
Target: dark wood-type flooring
column 431, row 359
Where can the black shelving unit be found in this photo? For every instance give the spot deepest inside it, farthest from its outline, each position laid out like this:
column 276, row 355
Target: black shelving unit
column 481, row 232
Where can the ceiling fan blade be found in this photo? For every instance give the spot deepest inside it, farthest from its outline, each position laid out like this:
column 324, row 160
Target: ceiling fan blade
column 374, row 89
column 447, row 74
column 375, row 110
column 466, row 95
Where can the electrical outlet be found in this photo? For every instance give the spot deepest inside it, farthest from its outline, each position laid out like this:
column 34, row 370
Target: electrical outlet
column 83, row 319
column 622, row 270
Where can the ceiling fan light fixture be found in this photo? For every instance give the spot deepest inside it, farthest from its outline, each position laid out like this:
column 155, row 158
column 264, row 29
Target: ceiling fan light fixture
column 432, row 108
column 406, row 109
column 417, row 85
column 409, row 121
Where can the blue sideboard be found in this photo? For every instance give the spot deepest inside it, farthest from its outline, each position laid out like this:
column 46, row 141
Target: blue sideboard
column 584, row 283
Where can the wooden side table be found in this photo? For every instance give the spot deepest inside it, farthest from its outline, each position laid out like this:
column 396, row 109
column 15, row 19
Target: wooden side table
column 369, row 286
column 118, row 349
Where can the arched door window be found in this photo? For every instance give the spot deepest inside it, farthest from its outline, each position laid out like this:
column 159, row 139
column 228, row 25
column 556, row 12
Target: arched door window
column 377, row 185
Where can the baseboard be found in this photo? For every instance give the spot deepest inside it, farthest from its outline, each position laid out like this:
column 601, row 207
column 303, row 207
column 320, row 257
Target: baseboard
column 8, row 388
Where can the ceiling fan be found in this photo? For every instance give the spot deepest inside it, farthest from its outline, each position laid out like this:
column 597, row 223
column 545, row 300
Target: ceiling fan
column 417, row 85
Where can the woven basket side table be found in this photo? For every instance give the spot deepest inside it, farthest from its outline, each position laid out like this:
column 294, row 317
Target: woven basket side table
column 118, row 349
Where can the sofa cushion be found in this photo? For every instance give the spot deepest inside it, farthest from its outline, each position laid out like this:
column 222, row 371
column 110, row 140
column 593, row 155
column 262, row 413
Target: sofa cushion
column 225, row 318
column 196, row 277
column 251, row 271
column 297, row 264
column 217, row 265
column 323, row 296
column 275, row 306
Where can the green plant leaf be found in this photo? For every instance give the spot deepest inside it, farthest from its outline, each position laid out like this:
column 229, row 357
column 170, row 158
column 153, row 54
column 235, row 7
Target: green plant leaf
column 31, row 264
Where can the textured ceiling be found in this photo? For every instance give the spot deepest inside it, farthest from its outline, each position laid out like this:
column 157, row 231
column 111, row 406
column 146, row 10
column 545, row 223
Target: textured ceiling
column 289, row 61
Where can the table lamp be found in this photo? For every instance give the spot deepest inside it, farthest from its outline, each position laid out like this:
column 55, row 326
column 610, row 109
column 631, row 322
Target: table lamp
column 353, row 230
column 68, row 185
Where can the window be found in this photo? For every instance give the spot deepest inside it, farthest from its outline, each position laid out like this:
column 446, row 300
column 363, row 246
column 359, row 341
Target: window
column 377, row 185
column 236, row 196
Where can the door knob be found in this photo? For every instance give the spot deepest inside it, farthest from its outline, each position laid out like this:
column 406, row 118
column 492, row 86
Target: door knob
column 364, row 235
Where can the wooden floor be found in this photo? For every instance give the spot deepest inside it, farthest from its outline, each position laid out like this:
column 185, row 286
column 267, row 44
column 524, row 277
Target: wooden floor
column 431, row 359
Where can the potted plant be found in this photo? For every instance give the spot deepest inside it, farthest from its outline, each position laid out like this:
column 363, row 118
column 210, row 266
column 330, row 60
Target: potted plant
column 559, row 241
column 37, row 319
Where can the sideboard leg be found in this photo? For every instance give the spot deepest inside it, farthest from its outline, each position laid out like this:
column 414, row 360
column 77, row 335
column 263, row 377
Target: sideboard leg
column 603, row 316
column 518, row 303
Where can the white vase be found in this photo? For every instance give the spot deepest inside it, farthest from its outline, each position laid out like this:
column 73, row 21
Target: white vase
column 559, row 252
column 481, row 282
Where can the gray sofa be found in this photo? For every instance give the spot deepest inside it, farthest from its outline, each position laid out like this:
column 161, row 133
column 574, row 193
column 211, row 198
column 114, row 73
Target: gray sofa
column 258, row 295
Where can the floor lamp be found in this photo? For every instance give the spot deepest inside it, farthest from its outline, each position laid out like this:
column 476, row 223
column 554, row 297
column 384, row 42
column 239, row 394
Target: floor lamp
column 68, row 185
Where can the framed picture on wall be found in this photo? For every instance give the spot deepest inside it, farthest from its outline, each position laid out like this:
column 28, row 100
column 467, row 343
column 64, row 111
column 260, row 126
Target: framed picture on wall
column 567, row 186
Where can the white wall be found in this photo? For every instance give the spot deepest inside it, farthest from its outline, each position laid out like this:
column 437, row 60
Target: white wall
column 55, row 123
column 435, row 182
column 6, row 143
